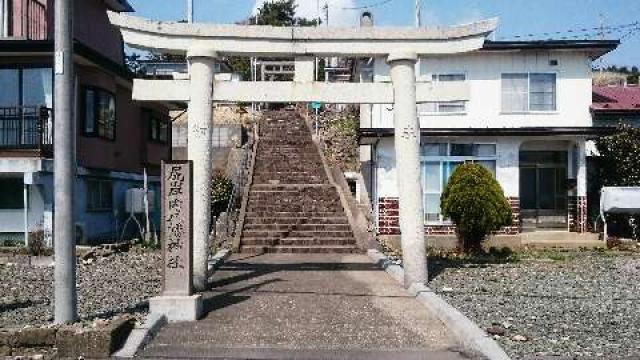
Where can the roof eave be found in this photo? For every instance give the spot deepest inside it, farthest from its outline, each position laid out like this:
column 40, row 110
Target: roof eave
column 119, row 5
column 596, row 48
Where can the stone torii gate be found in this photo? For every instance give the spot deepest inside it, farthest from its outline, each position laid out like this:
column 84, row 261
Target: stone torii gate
column 203, row 43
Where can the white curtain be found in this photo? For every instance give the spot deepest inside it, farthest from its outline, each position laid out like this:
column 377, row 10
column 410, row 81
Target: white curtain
column 515, row 92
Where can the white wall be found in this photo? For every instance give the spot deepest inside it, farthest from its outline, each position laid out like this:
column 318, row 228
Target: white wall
column 12, row 221
column 484, row 72
column 507, row 166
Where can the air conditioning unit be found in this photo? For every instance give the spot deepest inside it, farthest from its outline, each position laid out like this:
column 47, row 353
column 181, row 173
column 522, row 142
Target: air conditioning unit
column 134, row 201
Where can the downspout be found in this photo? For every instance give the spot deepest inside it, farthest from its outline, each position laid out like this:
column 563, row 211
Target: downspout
column 25, row 202
column 4, row 20
column 374, row 184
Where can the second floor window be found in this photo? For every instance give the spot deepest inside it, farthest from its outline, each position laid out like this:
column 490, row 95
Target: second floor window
column 26, row 87
column 449, row 77
column 528, row 92
column 158, row 128
column 99, row 113
column 443, row 107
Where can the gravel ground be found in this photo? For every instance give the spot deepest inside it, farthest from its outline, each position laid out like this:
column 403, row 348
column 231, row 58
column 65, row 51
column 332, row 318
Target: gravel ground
column 577, row 305
column 108, row 287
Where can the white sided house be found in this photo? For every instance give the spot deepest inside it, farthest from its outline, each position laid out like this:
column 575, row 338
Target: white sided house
column 519, row 108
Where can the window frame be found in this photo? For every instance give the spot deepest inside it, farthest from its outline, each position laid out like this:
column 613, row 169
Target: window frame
column 151, row 117
column 100, row 182
column 20, row 69
column 444, row 161
column 95, row 133
column 444, row 113
column 19, row 195
column 435, row 76
column 529, row 111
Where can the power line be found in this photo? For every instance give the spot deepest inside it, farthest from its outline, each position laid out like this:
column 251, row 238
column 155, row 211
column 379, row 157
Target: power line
column 629, row 34
column 581, row 32
column 368, row 6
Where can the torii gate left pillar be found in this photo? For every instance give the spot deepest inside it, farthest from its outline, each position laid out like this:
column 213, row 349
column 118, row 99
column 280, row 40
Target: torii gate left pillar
column 200, row 130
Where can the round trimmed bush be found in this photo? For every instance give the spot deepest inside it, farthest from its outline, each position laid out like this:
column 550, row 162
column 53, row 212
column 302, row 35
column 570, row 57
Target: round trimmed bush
column 475, row 202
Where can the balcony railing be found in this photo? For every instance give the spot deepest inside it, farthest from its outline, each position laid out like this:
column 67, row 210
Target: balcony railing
column 27, row 19
column 26, row 128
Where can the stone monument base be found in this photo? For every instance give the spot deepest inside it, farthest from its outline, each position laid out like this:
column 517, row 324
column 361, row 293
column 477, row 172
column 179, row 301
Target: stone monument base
column 177, row 308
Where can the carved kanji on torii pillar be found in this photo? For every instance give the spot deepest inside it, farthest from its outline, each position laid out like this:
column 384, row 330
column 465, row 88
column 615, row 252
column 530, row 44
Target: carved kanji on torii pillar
column 401, row 47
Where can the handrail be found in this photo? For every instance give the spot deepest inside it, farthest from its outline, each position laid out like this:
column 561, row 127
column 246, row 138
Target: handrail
column 239, row 181
column 26, row 128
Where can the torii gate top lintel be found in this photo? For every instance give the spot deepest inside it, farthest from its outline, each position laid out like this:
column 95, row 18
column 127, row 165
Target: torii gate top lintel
column 252, row 40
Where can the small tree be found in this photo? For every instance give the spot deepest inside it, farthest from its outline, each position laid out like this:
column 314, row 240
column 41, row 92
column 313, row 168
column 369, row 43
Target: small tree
column 271, row 13
column 619, row 158
column 475, row 202
column 619, row 165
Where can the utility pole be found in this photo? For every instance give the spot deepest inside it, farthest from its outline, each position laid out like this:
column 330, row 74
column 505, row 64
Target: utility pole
column 64, row 164
column 189, row 11
column 418, row 13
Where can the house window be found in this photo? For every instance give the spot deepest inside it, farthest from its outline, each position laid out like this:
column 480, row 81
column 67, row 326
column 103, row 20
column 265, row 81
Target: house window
column 439, row 161
column 99, row 195
column 528, row 92
column 11, row 193
column 28, row 86
column 449, row 77
column 443, row 107
column 99, row 113
column 158, row 128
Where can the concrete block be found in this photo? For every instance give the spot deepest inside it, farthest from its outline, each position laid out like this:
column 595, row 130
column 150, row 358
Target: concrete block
column 177, row 308
column 7, row 338
column 95, row 343
column 32, row 337
column 141, row 336
column 5, row 350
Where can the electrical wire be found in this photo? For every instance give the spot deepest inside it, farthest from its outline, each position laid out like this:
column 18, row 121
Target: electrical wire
column 369, row 6
column 581, row 32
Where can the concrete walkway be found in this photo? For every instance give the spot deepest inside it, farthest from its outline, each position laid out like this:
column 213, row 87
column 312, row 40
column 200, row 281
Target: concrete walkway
column 307, row 307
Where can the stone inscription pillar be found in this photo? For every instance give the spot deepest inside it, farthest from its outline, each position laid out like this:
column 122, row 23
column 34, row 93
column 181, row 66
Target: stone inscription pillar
column 201, row 74
column 407, row 148
column 177, row 301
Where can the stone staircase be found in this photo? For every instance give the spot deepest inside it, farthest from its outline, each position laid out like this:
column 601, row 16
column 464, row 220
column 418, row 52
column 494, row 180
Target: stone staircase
column 292, row 207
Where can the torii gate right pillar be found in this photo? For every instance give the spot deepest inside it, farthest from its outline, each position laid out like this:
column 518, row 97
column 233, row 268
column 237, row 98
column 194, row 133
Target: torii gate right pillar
column 407, row 148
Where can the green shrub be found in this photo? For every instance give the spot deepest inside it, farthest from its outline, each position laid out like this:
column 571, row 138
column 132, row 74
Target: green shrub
column 221, row 188
column 37, row 245
column 475, row 202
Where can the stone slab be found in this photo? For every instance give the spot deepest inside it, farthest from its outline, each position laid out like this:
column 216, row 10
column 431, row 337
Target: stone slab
column 467, row 332
column 177, row 308
column 330, row 304
column 93, row 343
column 141, row 335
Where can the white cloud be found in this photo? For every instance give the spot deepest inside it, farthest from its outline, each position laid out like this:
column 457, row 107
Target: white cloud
column 339, row 15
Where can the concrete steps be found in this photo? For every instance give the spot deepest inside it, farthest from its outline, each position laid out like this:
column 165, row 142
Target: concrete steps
column 292, row 207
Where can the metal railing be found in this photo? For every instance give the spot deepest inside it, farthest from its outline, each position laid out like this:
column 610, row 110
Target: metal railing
column 28, row 20
column 239, row 180
column 26, row 128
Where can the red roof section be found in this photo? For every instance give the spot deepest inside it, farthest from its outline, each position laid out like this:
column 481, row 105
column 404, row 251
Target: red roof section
column 616, row 99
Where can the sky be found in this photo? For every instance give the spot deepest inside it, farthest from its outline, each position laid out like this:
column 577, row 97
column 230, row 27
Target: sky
column 517, row 17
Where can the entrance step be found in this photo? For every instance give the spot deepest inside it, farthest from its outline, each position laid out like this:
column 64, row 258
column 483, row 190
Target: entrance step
column 315, row 249
column 561, row 238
